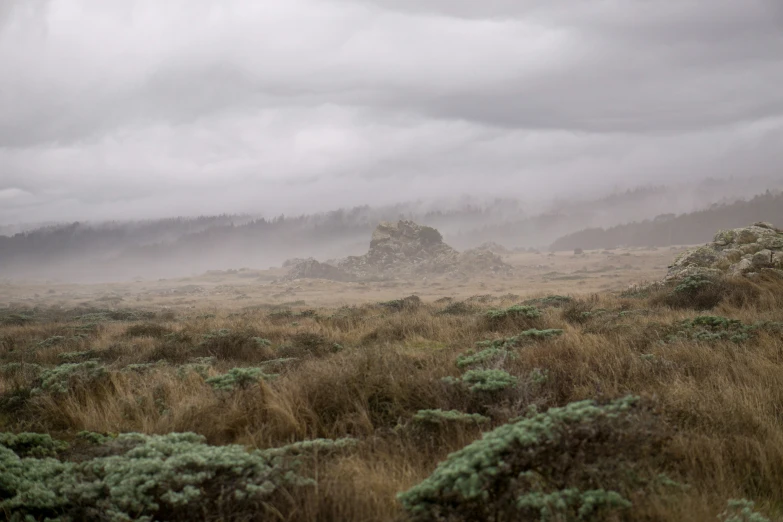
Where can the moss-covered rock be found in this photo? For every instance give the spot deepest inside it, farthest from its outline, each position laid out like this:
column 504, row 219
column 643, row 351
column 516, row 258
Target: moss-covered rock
column 736, row 252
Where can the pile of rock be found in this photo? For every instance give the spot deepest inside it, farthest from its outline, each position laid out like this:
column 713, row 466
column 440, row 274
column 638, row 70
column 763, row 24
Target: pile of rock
column 399, row 250
column 481, row 260
column 737, row 252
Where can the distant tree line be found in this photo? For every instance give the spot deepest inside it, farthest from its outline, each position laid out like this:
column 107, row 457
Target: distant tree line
column 683, row 229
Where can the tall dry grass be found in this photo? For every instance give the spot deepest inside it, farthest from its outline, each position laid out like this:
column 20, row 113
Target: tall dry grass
column 719, row 402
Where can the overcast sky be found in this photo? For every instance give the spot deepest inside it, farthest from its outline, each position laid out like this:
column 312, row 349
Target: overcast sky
column 146, row 108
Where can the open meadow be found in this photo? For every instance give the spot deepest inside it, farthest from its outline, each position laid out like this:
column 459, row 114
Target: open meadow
column 195, row 398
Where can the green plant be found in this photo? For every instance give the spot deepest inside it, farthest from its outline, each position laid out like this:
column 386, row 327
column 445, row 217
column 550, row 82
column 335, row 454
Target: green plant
column 550, row 301
column 457, row 308
column 74, row 356
column 526, row 337
column 692, row 284
column 484, row 356
column 412, row 302
column 741, row 510
column 32, row 444
column 238, row 378
column 571, row 503
column 55, row 340
column 708, row 328
column 64, row 377
column 94, row 438
column 528, row 312
column 538, row 376
column 484, row 380
column 535, row 467
column 161, row 477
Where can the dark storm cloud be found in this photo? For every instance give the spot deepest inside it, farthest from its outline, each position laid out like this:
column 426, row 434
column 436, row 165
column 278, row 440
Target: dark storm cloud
column 142, row 108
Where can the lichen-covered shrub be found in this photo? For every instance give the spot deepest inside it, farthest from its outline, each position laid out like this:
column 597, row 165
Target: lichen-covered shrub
column 65, row 377
column 458, row 308
column 484, row 380
column 32, row 444
column 239, row 378
column 412, row 302
column 162, row 477
column 228, row 345
column 526, row 337
column 483, row 357
column 550, row 301
column 515, row 311
column 741, row 510
column 568, row 463
column 707, row 328
column 75, row 356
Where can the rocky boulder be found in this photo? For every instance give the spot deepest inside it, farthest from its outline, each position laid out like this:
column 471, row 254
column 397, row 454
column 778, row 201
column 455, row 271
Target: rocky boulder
column 406, row 249
column 738, row 252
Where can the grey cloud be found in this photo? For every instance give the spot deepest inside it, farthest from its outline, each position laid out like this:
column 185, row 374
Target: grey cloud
column 143, row 107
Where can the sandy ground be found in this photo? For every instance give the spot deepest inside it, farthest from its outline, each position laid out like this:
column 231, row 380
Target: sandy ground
column 534, row 274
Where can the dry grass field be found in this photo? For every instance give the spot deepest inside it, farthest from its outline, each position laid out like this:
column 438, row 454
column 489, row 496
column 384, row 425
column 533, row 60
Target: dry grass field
column 686, row 388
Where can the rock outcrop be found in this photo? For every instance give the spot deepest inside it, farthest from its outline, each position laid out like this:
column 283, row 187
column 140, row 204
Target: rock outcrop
column 403, row 249
column 736, row 252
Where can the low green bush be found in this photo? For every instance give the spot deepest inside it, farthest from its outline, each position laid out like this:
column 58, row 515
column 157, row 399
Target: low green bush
column 484, row 380
column 160, row 477
column 238, row 378
column 568, row 464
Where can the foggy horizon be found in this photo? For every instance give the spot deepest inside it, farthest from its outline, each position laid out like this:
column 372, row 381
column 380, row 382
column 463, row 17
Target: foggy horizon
column 141, row 110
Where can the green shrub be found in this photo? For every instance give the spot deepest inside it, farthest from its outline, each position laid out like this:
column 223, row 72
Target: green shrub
column 564, row 464
column 538, row 376
column 238, row 378
column 741, row 510
column 412, row 302
column 17, row 319
column 64, row 377
column 75, row 356
column 32, row 444
column 526, row 337
column 484, row 380
column 692, row 284
column 94, row 438
column 550, row 301
column 515, row 311
column 199, row 365
column 238, row 346
column 708, row 328
column 458, row 308
column 162, row 477
column 55, row 340
column 26, row 370
column 446, row 417
column 571, row 503
column 485, row 356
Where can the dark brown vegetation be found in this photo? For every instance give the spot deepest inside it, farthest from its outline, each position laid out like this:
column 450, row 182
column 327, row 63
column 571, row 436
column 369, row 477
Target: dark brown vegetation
column 706, row 367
